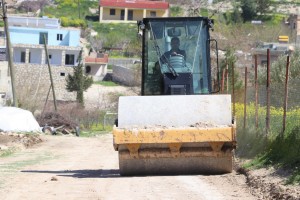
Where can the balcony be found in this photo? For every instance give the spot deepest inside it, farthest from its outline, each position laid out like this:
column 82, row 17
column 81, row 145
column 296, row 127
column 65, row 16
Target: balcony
column 96, row 59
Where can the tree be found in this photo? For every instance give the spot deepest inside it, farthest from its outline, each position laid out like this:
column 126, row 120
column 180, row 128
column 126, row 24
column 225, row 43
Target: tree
column 195, row 6
column 236, row 16
column 263, row 6
column 248, row 9
column 78, row 82
column 278, row 68
column 230, row 60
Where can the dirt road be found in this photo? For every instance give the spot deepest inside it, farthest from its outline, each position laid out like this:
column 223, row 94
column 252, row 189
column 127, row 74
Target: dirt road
column 87, row 168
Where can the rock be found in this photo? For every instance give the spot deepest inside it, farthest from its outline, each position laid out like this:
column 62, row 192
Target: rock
column 3, row 148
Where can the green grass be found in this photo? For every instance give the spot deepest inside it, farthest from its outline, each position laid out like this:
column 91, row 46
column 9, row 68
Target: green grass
column 34, row 159
column 93, row 133
column 272, row 149
column 7, row 152
column 109, row 66
column 204, row 12
column 106, row 83
column 176, row 11
column 118, row 35
column 72, row 13
column 281, row 153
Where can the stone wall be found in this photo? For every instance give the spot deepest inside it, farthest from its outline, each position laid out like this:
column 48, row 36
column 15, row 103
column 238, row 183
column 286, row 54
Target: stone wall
column 5, row 86
column 126, row 76
column 33, row 80
column 126, row 62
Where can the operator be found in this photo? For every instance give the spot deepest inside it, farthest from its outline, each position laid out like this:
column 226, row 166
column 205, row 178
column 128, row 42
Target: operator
column 175, row 51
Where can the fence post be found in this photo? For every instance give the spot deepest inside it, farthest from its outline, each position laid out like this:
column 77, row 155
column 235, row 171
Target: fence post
column 227, row 78
column 222, row 81
column 233, row 95
column 256, row 93
column 285, row 94
column 268, row 93
column 245, row 98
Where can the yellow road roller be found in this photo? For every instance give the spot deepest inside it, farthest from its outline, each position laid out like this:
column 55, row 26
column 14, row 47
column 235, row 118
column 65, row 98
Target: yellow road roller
column 179, row 124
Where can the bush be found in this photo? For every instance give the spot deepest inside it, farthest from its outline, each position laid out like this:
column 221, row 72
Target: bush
column 176, row 11
column 66, row 22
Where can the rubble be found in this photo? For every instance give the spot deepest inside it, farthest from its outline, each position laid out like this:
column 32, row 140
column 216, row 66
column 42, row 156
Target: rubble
column 10, row 141
column 55, row 123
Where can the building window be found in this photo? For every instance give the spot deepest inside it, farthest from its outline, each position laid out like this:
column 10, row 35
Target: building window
column 23, row 56
column 112, row 11
column 70, row 59
column 50, row 56
column 42, row 36
column 152, row 14
column 264, row 62
column 2, row 54
column 62, row 74
column 88, row 69
column 2, row 34
column 122, row 16
column 59, row 37
column 130, row 14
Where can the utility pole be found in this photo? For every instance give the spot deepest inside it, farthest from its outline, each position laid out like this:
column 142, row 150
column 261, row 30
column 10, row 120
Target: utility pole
column 50, row 73
column 9, row 55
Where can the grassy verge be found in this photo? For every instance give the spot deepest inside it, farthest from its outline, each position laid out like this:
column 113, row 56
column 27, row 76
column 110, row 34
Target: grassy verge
column 71, row 13
column 96, row 129
column 7, row 152
column 272, row 149
column 93, row 133
column 282, row 152
column 103, row 125
column 106, row 83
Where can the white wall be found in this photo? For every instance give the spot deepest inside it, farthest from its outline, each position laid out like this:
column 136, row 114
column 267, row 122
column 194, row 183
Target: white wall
column 17, row 54
column 56, row 57
column 35, row 56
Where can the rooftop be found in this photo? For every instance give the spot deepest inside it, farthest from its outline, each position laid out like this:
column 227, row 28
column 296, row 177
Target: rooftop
column 40, row 22
column 134, row 4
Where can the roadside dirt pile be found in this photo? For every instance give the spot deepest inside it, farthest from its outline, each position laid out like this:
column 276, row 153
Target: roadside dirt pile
column 13, row 141
column 269, row 183
column 56, row 123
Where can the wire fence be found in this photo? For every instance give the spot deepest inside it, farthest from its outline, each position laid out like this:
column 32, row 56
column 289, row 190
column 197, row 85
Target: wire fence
column 269, row 107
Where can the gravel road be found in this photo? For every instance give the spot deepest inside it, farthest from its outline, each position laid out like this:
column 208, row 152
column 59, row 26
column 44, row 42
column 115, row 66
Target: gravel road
column 64, row 167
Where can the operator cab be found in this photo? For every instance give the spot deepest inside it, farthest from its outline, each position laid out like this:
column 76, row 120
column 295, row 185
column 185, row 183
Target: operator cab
column 166, row 73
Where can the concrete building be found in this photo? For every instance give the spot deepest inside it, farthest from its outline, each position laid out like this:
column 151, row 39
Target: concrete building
column 30, row 60
column 28, row 45
column 27, row 36
column 125, row 11
column 96, row 65
column 276, row 50
column 294, row 24
column 27, row 39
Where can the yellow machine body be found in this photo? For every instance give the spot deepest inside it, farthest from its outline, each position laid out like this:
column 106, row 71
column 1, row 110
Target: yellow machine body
column 156, row 145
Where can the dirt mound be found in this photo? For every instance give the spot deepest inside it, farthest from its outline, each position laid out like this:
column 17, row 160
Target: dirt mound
column 56, row 120
column 13, row 141
column 269, row 183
